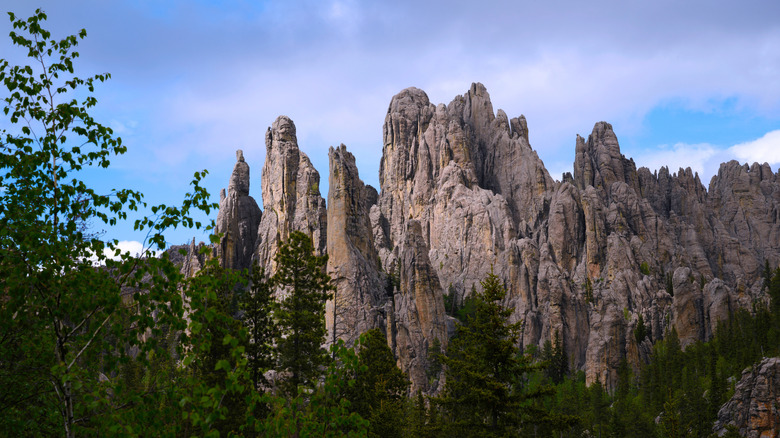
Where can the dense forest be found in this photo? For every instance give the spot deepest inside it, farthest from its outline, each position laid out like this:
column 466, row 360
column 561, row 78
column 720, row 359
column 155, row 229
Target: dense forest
column 94, row 342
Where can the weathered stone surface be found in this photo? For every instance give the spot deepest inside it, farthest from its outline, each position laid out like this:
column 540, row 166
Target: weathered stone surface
column 353, row 263
column 585, row 256
column 291, row 195
column 688, row 307
column 418, row 308
column 463, row 193
column 599, row 163
column 237, row 220
column 754, row 409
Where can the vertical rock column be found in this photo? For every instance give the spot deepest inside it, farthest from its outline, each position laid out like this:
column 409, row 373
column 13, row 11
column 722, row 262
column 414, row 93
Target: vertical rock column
column 291, row 194
column 238, row 219
column 353, row 263
column 419, row 308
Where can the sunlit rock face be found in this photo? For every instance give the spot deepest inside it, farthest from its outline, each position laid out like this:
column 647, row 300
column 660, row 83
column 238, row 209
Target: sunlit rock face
column 291, row 195
column 462, row 193
column 754, row 409
column 353, row 264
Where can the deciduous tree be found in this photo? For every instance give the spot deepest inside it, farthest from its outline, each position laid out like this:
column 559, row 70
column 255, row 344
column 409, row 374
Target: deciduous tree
column 69, row 314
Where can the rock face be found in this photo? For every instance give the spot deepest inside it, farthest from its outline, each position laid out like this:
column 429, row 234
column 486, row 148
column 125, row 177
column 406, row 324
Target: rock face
column 291, row 195
column 462, row 192
column 418, row 308
column 238, row 219
column 755, row 407
column 353, row 263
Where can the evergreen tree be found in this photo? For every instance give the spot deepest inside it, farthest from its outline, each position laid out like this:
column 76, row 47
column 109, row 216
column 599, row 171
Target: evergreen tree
column 323, row 411
column 258, row 306
column 380, row 388
column 302, row 282
column 482, row 395
column 640, row 332
column 598, row 405
column 554, row 355
column 423, row 419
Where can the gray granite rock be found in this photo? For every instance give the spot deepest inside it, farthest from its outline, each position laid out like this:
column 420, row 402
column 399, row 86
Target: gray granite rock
column 237, row 220
column 754, row 409
column 463, row 193
column 291, row 195
column 353, row 264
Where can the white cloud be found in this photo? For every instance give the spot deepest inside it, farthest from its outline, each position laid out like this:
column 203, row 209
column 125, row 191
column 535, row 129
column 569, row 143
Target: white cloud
column 699, row 157
column 763, row 150
column 133, row 247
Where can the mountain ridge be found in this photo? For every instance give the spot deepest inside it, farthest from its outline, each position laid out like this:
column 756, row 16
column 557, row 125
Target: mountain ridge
column 462, row 193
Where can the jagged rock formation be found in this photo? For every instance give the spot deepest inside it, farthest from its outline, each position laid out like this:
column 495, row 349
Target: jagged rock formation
column 754, row 409
column 291, row 195
column 585, row 256
column 462, row 192
column 353, row 263
column 418, row 308
column 238, row 219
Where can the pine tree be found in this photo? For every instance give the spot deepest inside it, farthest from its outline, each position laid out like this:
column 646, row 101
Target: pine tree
column 482, row 395
column 302, row 282
column 554, row 355
column 380, row 388
column 258, row 307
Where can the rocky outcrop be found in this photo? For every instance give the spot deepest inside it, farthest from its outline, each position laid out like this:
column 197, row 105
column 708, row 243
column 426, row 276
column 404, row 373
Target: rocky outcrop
column 418, row 309
column 584, row 256
column 462, row 193
column 291, row 195
column 353, row 264
column 754, row 409
column 237, row 220
column 599, row 163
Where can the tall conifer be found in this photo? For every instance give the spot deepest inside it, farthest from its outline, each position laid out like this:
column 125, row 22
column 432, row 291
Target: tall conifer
column 304, row 287
column 483, row 395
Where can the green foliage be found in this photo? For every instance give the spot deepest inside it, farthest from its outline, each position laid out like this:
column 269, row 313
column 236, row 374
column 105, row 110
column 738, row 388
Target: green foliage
column 258, row 307
column 588, row 286
column 468, row 308
column 557, row 362
column 72, row 327
column 450, row 301
column 640, row 331
column 669, row 284
column 300, row 316
column 380, row 389
column 484, row 394
column 322, row 412
column 644, row 268
column 434, row 360
column 216, row 347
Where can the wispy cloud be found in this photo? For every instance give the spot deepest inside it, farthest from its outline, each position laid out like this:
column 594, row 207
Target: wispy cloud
column 699, row 157
column 202, row 79
column 763, row 150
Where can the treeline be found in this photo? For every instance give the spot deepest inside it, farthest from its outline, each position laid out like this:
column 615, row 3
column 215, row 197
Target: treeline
column 94, row 342
column 678, row 393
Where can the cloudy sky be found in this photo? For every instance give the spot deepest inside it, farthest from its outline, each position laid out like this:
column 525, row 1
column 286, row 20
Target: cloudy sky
column 684, row 83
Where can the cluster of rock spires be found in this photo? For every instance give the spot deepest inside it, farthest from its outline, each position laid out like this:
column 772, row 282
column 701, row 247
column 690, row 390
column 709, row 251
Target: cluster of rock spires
column 463, row 193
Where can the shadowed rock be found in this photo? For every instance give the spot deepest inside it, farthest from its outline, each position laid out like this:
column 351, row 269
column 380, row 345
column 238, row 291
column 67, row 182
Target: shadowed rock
column 238, row 219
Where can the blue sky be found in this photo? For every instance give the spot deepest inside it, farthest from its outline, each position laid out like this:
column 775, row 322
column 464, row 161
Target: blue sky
column 687, row 83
